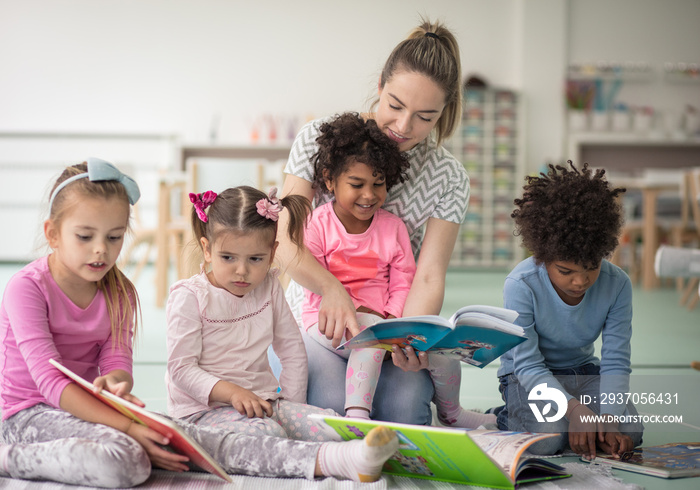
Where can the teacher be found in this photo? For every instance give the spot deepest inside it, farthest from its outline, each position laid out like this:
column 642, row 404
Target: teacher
column 419, row 105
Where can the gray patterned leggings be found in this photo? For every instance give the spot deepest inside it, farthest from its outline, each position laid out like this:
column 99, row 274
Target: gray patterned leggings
column 289, row 419
column 51, row 444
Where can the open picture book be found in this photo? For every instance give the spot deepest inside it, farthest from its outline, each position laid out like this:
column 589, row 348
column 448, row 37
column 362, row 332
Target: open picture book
column 488, row 458
column 180, row 442
column 673, row 460
column 475, row 334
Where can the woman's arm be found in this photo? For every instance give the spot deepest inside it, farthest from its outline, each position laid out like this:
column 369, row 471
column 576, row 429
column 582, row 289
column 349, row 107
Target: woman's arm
column 428, row 288
column 337, row 311
column 289, row 347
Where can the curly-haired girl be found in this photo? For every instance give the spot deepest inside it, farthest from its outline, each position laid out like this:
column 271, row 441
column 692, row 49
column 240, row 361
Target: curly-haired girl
column 567, row 296
column 368, row 249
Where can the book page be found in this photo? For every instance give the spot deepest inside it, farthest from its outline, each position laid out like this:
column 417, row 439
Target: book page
column 179, row 440
column 506, row 448
column 483, row 320
column 492, row 311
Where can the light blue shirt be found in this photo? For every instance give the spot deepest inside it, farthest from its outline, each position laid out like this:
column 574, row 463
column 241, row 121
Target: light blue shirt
column 562, row 336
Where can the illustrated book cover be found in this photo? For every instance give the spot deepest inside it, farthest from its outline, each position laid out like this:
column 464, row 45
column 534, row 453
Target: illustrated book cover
column 475, row 334
column 180, row 442
column 672, row 460
column 488, row 458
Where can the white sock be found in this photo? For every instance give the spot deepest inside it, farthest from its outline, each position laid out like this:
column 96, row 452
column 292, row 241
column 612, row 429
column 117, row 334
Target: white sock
column 466, row 418
column 358, row 460
column 357, row 413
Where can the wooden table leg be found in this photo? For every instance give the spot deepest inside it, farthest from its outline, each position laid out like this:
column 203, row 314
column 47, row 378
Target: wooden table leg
column 650, row 238
column 163, row 253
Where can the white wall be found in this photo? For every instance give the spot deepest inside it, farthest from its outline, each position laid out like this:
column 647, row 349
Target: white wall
column 174, row 66
column 171, row 66
column 651, row 31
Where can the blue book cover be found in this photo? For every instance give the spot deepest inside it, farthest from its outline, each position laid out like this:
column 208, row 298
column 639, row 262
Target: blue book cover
column 475, row 334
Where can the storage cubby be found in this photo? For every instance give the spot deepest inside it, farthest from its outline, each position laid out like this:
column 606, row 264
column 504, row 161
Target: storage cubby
column 487, row 144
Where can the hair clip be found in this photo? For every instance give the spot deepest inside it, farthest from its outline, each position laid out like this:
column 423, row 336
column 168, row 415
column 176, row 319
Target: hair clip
column 269, row 207
column 202, row 202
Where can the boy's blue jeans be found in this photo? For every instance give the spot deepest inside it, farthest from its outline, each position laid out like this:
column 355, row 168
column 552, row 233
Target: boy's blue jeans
column 517, row 415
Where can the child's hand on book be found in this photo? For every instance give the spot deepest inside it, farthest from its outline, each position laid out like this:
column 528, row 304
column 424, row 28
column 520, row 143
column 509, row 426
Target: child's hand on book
column 153, row 443
column 611, row 441
column 582, row 432
column 409, row 359
column 118, row 383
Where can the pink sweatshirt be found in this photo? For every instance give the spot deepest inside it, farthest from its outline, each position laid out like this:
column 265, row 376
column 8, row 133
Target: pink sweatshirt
column 376, row 267
column 39, row 322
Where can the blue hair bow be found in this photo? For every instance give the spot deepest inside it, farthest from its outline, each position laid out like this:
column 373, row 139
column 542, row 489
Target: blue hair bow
column 101, row 170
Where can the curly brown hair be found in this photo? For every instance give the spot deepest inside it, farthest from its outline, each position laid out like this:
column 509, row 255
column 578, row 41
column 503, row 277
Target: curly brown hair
column 349, row 138
column 569, row 215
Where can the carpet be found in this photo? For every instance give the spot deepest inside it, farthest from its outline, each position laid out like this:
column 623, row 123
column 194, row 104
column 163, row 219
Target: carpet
column 584, row 477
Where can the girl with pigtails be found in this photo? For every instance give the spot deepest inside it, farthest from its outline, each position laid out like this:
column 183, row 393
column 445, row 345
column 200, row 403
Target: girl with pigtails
column 221, row 322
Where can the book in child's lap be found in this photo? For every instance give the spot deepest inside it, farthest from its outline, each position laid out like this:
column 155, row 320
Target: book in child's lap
column 672, row 460
column 475, row 334
column 488, row 458
column 180, row 442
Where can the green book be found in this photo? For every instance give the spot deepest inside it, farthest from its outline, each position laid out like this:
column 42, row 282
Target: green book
column 488, row 458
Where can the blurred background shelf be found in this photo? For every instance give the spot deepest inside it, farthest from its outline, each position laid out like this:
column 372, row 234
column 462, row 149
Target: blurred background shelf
column 488, row 143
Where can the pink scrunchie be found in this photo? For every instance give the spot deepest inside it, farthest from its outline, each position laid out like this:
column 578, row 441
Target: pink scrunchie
column 269, row 207
column 202, row 202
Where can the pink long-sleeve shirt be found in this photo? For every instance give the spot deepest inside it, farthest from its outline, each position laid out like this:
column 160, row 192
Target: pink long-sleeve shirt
column 39, row 322
column 213, row 335
column 376, row 267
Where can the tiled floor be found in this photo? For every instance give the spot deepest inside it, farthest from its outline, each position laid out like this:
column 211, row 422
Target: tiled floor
column 666, row 339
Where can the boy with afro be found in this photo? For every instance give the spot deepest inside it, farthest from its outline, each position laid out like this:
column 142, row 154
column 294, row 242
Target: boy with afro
column 567, row 295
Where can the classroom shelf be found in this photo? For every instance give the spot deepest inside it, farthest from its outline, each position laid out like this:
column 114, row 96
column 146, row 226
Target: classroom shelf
column 488, row 145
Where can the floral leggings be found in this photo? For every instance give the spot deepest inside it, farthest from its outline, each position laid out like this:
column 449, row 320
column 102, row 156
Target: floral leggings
column 289, row 419
column 364, row 365
column 50, row 444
